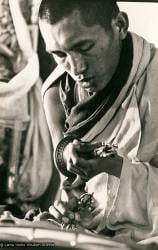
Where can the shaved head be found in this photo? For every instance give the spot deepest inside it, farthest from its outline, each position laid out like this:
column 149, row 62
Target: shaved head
column 92, row 11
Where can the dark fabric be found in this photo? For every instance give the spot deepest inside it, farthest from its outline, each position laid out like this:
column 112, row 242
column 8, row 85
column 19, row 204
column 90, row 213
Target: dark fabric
column 82, row 116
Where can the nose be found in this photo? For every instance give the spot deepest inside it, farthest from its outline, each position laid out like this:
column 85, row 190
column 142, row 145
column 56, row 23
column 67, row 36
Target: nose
column 76, row 64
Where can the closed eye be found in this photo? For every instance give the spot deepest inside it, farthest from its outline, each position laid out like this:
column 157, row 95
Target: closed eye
column 83, row 47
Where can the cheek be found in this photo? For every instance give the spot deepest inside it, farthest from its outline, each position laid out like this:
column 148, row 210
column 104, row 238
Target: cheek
column 102, row 54
column 108, row 59
column 101, row 62
column 97, row 60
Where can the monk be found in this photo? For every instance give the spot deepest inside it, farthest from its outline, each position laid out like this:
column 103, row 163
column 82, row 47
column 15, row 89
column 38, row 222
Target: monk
column 103, row 90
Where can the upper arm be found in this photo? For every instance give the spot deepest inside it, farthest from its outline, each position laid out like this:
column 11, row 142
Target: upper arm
column 55, row 114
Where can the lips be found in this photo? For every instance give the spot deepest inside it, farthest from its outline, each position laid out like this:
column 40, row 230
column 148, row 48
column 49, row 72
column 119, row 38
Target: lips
column 86, row 85
column 86, row 82
column 87, row 79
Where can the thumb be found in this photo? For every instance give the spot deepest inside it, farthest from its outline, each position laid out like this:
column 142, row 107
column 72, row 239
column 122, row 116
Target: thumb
column 64, row 196
column 77, row 182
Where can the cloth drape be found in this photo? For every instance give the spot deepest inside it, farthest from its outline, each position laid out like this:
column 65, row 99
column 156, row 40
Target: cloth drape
column 20, row 102
column 130, row 204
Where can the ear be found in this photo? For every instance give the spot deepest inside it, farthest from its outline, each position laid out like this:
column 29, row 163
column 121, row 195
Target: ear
column 122, row 24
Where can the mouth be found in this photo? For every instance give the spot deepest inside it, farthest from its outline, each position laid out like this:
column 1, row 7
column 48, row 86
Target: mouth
column 86, row 82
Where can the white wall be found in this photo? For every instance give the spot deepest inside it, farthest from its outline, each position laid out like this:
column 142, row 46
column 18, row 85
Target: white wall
column 143, row 19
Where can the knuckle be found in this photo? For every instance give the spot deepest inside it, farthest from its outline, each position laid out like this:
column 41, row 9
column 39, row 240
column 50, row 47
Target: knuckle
column 69, row 148
column 65, row 219
column 75, row 141
column 75, row 161
column 69, row 167
column 56, row 203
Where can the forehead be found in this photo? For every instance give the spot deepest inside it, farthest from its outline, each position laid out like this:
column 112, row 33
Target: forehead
column 69, row 31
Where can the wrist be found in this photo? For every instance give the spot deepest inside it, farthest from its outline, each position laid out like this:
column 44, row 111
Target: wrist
column 115, row 166
column 111, row 165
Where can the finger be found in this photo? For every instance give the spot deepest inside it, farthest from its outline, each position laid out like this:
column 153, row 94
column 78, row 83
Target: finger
column 72, row 156
column 104, row 147
column 66, row 185
column 82, row 167
column 72, row 204
column 91, row 146
column 64, row 196
column 77, row 182
column 55, row 221
column 81, row 174
column 55, row 213
column 76, row 142
column 105, row 155
column 96, row 211
column 60, row 206
column 71, row 215
column 88, row 150
column 76, row 169
column 77, row 217
column 65, row 220
column 76, row 193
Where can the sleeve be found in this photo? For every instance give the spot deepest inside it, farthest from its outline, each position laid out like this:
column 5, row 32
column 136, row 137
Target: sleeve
column 136, row 203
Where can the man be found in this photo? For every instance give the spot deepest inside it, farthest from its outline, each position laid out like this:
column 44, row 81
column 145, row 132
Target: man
column 104, row 90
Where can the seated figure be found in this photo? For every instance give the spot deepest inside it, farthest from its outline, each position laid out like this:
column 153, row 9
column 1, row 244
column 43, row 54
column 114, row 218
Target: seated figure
column 103, row 92
column 25, row 157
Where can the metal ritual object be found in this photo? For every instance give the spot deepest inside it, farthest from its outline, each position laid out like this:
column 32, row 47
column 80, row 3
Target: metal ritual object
column 99, row 149
column 85, row 201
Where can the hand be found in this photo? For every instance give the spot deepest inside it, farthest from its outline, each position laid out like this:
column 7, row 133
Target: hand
column 72, row 215
column 81, row 161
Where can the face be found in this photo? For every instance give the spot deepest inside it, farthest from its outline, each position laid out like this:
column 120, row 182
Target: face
column 89, row 54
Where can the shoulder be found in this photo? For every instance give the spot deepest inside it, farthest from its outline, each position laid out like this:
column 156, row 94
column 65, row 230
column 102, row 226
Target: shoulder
column 53, row 78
